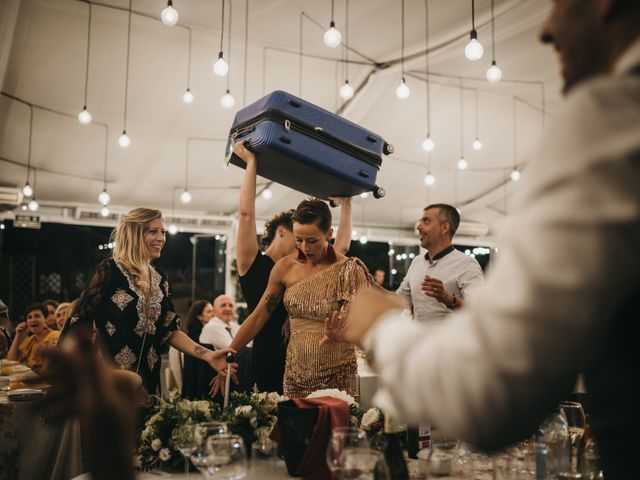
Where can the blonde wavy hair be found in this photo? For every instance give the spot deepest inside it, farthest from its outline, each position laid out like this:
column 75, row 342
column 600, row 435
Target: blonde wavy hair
column 129, row 249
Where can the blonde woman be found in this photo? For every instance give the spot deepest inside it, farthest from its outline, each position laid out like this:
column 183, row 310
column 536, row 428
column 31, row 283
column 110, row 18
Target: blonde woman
column 130, row 303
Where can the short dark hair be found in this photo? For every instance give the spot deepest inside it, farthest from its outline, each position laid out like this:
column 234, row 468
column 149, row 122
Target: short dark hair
column 55, row 303
column 36, row 306
column 271, row 227
column 315, row 211
column 448, row 213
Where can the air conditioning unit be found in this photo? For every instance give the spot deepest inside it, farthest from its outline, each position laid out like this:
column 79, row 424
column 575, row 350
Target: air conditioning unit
column 10, row 198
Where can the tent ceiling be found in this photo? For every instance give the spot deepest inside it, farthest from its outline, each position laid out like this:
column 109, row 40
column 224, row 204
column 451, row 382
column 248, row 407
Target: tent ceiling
column 44, row 64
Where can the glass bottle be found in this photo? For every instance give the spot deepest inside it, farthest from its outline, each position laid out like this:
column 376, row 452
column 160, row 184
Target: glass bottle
column 393, row 451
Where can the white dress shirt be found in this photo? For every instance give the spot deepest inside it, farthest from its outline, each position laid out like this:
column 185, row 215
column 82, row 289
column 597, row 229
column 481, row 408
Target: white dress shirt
column 219, row 334
column 561, row 298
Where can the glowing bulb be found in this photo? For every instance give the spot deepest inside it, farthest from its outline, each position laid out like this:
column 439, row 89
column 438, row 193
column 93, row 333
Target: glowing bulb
column 477, row 144
column 124, row 140
column 221, row 67
column 104, row 211
column 169, row 15
column 363, row 239
column 515, row 175
column 494, row 74
column 332, row 37
column 185, row 197
column 34, row 205
column 403, row 90
column 173, row 229
column 267, row 194
column 364, row 195
column 227, row 101
column 84, row 117
column 354, row 234
column 429, row 180
column 473, row 50
column 462, row 164
column 428, row 144
column 27, row 191
column 104, row 198
column 346, row 91
column 188, row 96
column 24, row 207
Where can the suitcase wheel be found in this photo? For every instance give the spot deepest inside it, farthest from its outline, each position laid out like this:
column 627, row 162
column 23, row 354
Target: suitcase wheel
column 388, row 150
column 379, row 192
column 333, row 203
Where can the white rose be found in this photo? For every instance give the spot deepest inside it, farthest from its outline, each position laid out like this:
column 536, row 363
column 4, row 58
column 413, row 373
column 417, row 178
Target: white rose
column 370, row 417
column 156, row 444
column 276, row 397
column 164, row 454
column 244, row 410
column 335, row 393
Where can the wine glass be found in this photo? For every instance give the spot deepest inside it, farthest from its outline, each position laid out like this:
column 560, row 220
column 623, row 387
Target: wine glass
column 576, row 420
column 183, row 438
column 363, row 464
column 343, row 438
column 226, row 457
column 201, row 432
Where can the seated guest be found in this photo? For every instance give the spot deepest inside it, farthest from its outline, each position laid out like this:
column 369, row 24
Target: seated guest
column 28, row 349
column 378, row 276
column 52, row 306
column 221, row 329
column 62, row 314
column 199, row 314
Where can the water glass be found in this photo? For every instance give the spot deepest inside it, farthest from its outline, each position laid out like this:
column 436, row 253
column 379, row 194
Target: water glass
column 576, row 420
column 447, row 459
column 183, row 438
column 227, row 459
column 343, row 438
column 363, row 464
column 201, row 432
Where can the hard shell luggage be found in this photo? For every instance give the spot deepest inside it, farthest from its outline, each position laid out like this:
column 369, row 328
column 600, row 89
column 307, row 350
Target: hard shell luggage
column 307, row 148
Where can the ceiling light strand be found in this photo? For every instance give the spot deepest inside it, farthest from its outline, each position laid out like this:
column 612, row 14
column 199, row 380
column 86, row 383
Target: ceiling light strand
column 85, row 117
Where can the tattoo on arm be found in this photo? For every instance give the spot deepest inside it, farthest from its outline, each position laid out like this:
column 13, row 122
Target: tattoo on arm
column 199, row 351
column 272, row 302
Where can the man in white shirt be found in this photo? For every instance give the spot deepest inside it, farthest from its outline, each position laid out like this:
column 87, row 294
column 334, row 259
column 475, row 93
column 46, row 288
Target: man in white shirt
column 440, row 280
column 562, row 296
column 220, row 330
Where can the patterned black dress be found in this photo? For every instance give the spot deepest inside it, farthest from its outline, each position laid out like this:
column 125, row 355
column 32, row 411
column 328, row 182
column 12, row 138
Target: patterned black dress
column 132, row 329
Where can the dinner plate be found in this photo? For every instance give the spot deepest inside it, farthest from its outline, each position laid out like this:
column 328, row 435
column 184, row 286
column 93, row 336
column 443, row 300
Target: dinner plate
column 21, row 394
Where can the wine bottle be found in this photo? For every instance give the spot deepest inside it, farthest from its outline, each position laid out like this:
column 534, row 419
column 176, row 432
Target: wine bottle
column 393, row 451
column 418, row 438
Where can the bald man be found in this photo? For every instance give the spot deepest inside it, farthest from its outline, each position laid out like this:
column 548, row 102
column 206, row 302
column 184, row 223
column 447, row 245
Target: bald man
column 220, row 330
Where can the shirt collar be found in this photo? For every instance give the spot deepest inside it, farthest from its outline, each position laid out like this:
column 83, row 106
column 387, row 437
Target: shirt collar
column 440, row 254
column 630, row 59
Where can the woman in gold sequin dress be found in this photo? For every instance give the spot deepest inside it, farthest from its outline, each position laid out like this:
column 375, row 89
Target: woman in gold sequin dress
column 315, row 282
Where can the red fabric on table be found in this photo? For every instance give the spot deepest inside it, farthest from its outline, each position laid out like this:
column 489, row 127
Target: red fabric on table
column 332, row 413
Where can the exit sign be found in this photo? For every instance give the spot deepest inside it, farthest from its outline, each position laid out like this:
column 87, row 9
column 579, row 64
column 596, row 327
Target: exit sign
column 27, row 221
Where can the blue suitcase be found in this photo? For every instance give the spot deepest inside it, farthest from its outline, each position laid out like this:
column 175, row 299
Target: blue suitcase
column 307, row 148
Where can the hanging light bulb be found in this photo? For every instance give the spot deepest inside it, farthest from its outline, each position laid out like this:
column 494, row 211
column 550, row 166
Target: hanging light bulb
column 363, row 239
column 173, row 229
column 185, row 197
column 354, row 234
column 403, row 90
column 428, row 144
column 169, row 15
column 104, row 198
column 477, row 144
column 27, row 191
column 494, row 74
column 104, row 211
column 124, row 140
column 84, row 117
column 515, row 174
column 429, row 179
column 473, row 50
column 462, row 164
column 34, row 205
column 221, row 67
column 24, row 207
column 227, row 101
column 346, row 91
column 267, row 194
column 188, row 96
column 332, row 37
column 364, row 195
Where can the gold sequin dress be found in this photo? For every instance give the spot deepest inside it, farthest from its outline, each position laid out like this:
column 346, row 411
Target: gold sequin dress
column 310, row 367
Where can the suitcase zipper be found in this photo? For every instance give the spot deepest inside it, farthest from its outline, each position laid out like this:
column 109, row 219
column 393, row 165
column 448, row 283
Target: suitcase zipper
column 314, row 132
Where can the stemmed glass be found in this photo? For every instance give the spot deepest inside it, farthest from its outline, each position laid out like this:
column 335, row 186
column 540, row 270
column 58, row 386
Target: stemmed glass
column 201, row 432
column 343, row 438
column 576, row 420
column 363, row 464
column 184, row 440
column 226, row 457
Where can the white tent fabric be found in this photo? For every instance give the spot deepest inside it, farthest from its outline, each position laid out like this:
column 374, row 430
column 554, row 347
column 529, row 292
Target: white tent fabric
column 43, row 60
